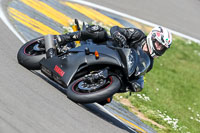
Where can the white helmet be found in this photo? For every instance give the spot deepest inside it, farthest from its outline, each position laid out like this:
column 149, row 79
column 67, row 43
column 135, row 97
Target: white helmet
column 160, row 36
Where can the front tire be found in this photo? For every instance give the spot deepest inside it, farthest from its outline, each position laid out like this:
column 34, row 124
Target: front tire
column 30, row 58
column 75, row 94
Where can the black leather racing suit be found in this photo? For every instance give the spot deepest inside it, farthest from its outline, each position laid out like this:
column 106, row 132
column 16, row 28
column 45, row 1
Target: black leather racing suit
column 125, row 37
column 132, row 38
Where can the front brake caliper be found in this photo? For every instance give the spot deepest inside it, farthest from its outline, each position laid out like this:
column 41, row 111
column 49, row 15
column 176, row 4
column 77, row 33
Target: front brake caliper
column 103, row 73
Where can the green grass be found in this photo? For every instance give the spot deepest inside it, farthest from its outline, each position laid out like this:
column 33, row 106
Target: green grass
column 173, row 88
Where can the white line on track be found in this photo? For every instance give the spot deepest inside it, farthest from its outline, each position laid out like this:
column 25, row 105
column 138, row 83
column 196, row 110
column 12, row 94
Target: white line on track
column 105, row 110
column 6, row 21
column 133, row 18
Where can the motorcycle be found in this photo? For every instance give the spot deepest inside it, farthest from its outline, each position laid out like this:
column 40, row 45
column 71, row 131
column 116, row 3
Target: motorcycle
column 88, row 73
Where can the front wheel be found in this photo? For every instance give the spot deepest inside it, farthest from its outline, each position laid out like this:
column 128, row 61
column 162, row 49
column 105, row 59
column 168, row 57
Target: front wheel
column 80, row 91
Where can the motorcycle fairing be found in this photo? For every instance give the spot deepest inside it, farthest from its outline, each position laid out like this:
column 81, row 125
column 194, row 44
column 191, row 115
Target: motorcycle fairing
column 70, row 63
column 143, row 62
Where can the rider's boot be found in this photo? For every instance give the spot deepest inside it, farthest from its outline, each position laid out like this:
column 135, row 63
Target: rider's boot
column 68, row 37
column 96, row 33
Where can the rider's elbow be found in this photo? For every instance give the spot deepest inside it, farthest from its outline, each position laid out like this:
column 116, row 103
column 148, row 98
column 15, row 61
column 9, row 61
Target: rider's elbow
column 114, row 29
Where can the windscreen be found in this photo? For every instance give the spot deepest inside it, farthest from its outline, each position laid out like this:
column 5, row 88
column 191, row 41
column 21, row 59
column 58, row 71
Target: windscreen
column 130, row 58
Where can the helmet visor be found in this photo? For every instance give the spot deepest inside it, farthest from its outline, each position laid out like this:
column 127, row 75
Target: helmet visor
column 159, row 47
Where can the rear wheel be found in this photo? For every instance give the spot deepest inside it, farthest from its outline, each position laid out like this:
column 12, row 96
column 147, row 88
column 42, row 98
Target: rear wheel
column 31, row 53
column 84, row 91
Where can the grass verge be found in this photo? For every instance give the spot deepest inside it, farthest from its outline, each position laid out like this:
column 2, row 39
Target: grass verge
column 171, row 93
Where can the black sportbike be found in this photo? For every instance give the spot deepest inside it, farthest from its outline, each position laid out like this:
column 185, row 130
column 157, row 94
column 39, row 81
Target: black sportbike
column 88, row 73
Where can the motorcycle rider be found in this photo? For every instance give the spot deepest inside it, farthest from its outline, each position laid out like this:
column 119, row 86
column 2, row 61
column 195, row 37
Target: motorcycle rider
column 154, row 44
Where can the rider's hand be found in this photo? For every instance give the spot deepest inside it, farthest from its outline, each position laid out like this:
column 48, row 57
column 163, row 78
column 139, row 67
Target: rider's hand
column 120, row 39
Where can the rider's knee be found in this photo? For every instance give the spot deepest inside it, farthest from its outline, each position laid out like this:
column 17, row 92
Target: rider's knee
column 94, row 32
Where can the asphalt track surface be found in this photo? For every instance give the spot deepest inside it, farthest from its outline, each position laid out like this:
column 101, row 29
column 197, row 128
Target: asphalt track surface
column 179, row 15
column 29, row 104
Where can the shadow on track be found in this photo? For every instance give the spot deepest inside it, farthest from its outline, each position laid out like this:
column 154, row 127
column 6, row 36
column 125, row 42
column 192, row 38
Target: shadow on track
column 93, row 108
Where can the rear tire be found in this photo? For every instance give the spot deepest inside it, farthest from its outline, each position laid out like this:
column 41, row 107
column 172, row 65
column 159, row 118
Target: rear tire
column 112, row 86
column 29, row 58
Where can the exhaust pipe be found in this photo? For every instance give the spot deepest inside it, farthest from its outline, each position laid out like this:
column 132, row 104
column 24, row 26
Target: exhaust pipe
column 50, row 46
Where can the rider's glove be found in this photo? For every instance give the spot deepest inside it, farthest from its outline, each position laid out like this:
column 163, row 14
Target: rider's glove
column 120, row 39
